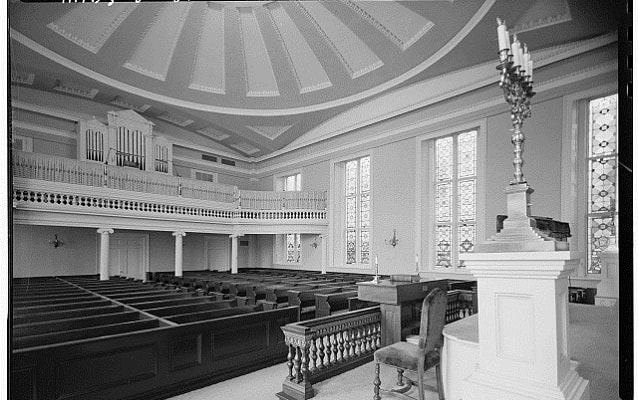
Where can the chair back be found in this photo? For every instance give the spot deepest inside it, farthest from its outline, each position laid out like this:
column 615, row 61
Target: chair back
column 432, row 320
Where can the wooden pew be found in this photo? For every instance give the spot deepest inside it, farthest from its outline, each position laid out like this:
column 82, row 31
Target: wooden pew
column 212, row 314
column 305, row 300
column 98, row 302
column 44, row 339
column 73, row 323
column 181, row 309
column 327, row 304
column 19, row 319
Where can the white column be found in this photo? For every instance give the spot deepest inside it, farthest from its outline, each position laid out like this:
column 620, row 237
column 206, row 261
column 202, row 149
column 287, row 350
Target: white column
column 523, row 327
column 324, row 267
column 178, row 252
column 233, row 254
column 104, row 252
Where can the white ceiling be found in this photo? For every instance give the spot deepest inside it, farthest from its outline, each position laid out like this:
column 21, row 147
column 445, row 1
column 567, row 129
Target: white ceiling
column 256, row 76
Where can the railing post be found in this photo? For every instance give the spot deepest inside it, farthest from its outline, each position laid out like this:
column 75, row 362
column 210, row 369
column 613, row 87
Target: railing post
column 296, row 385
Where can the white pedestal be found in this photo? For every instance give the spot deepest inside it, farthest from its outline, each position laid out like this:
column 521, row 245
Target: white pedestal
column 607, row 289
column 523, row 325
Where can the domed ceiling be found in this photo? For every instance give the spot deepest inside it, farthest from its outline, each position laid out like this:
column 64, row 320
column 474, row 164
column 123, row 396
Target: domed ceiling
column 254, row 76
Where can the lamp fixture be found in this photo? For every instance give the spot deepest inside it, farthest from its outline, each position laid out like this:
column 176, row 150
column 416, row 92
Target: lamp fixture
column 55, row 242
column 314, row 244
column 394, row 240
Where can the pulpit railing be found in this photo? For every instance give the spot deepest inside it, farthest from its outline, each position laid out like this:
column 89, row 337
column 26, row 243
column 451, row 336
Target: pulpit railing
column 324, row 347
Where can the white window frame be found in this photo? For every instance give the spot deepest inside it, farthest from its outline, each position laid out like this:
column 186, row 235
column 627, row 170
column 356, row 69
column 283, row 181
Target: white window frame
column 214, row 174
column 281, row 240
column 337, row 215
column 586, row 159
column 574, row 173
column 425, row 226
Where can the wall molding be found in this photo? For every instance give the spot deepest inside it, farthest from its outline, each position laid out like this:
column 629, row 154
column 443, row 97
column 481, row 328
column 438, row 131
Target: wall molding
column 44, row 129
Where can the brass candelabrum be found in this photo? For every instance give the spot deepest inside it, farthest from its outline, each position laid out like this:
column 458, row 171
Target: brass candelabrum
column 517, row 84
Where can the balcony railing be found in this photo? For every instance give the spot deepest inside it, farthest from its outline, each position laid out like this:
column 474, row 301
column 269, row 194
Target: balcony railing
column 248, row 204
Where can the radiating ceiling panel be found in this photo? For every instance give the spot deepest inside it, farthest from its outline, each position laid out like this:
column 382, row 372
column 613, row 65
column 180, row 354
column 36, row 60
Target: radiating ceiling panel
column 209, row 70
column 260, row 78
column 213, row 133
column 308, row 70
column 400, row 24
column 154, row 52
column 355, row 55
column 271, row 132
column 245, row 148
column 90, row 27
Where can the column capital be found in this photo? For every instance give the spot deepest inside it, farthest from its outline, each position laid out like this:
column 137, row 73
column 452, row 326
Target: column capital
column 236, row 235
column 179, row 233
column 105, row 231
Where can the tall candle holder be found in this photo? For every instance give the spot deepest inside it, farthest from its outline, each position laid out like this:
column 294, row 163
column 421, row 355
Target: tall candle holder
column 519, row 231
column 376, row 273
column 516, row 81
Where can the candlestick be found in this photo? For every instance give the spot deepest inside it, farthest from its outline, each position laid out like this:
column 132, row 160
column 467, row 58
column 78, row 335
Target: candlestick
column 516, row 82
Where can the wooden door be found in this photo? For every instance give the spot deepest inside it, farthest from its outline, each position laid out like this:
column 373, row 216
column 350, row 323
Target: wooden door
column 218, row 253
column 128, row 255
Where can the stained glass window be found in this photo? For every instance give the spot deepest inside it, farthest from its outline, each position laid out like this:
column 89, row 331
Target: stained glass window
column 293, row 248
column 357, row 196
column 602, row 209
column 454, row 197
column 289, row 245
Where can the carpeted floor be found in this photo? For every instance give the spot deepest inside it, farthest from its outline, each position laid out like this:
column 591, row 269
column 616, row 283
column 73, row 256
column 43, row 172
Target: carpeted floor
column 593, row 340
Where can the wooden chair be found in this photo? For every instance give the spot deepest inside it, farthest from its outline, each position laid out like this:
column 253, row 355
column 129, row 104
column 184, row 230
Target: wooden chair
column 421, row 357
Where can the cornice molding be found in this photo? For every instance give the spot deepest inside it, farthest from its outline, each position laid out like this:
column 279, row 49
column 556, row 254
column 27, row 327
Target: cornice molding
column 447, row 86
column 44, row 129
column 400, row 133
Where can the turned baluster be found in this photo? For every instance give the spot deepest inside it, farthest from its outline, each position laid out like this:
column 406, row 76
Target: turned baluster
column 289, row 363
column 304, row 362
column 378, row 344
column 297, row 364
column 358, row 342
column 342, row 355
column 313, row 353
column 346, row 339
column 335, row 347
column 328, row 350
column 368, row 337
column 321, row 353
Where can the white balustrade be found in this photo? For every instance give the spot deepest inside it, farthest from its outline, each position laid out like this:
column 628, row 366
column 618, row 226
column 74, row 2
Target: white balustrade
column 175, row 195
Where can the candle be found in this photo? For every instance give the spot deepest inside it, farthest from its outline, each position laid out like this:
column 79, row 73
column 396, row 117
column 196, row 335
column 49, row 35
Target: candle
column 531, row 68
column 526, row 60
column 515, row 52
column 502, row 35
column 417, row 258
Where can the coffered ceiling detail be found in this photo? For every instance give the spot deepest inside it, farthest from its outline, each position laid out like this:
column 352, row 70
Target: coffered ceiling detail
column 91, row 27
column 260, row 78
column 400, row 24
column 154, row 52
column 309, row 72
column 254, row 77
column 271, row 132
column 209, row 72
column 352, row 51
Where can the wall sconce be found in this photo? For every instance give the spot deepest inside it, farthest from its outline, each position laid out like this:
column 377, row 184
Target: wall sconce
column 314, row 244
column 394, row 240
column 55, row 242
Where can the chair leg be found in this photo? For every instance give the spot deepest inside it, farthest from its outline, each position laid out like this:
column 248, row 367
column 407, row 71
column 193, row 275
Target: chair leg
column 439, row 382
column 377, row 382
column 421, row 373
column 399, row 377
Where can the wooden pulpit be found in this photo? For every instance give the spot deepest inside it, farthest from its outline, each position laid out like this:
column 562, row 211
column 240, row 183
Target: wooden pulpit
column 399, row 301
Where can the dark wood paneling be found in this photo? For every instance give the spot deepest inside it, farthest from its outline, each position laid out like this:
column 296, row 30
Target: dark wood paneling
column 186, row 352
column 94, row 372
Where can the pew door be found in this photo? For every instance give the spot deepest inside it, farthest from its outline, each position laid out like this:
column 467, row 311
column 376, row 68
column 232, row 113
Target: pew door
column 218, row 253
column 128, row 255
